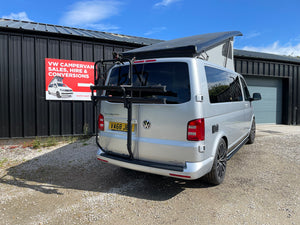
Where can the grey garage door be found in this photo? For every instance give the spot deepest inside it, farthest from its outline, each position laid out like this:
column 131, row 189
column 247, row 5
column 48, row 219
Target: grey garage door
column 269, row 109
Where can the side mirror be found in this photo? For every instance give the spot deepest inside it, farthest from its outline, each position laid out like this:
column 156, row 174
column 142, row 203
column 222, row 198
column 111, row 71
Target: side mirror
column 256, row 97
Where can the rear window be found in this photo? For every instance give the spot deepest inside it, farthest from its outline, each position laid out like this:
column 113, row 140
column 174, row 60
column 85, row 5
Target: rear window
column 173, row 75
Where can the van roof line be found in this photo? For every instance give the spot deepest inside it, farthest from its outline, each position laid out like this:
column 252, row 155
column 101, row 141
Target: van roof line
column 182, row 47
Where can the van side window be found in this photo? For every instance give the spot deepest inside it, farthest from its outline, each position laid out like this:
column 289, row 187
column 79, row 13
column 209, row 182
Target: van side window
column 223, row 86
column 245, row 89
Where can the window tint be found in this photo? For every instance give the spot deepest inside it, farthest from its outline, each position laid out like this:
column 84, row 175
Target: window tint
column 173, row 75
column 245, row 89
column 223, row 86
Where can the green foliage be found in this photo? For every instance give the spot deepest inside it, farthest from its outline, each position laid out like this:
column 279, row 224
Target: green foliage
column 27, row 144
column 36, row 144
column 217, row 89
column 86, row 129
column 2, row 161
column 71, row 139
column 51, row 141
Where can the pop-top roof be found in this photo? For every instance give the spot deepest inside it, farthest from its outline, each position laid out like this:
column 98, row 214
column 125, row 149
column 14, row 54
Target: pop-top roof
column 62, row 30
column 182, row 47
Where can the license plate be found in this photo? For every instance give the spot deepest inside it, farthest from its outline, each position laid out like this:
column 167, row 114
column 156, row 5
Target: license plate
column 119, row 126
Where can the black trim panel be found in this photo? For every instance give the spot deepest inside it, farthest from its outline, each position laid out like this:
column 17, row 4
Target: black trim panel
column 236, row 148
column 143, row 163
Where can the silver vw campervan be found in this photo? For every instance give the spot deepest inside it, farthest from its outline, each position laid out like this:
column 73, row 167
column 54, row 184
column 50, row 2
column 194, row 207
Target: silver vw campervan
column 57, row 88
column 176, row 108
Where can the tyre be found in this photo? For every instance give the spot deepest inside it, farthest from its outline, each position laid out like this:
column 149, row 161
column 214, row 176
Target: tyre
column 217, row 173
column 58, row 94
column 252, row 133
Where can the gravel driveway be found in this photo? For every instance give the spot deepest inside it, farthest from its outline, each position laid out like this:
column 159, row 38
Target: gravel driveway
column 65, row 184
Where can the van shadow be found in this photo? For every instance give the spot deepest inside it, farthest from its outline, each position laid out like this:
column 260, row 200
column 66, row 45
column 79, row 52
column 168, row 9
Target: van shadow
column 74, row 166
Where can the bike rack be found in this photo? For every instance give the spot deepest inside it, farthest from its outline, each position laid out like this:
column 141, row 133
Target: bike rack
column 127, row 99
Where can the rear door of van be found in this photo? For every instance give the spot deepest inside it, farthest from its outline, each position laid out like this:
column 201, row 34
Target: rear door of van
column 159, row 130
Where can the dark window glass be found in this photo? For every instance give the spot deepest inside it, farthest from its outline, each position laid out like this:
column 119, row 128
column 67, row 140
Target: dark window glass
column 173, row 75
column 245, row 89
column 223, row 86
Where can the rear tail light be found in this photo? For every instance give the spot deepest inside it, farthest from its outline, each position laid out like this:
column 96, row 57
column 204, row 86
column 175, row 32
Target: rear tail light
column 196, row 130
column 101, row 122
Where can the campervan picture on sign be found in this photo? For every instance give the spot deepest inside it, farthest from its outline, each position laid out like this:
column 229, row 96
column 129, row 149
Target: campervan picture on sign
column 68, row 79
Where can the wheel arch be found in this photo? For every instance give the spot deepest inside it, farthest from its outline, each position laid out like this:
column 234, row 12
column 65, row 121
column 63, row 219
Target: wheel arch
column 216, row 143
column 226, row 141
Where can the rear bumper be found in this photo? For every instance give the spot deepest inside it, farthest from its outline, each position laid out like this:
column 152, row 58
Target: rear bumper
column 191, row 170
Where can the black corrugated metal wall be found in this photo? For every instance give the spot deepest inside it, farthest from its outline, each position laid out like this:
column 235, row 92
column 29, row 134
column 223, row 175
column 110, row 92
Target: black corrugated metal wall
column 24, row 111
column 290, row 74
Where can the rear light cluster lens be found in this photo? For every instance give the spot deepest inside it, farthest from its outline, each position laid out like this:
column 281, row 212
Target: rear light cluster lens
column 101, row 122
column 196, row 130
